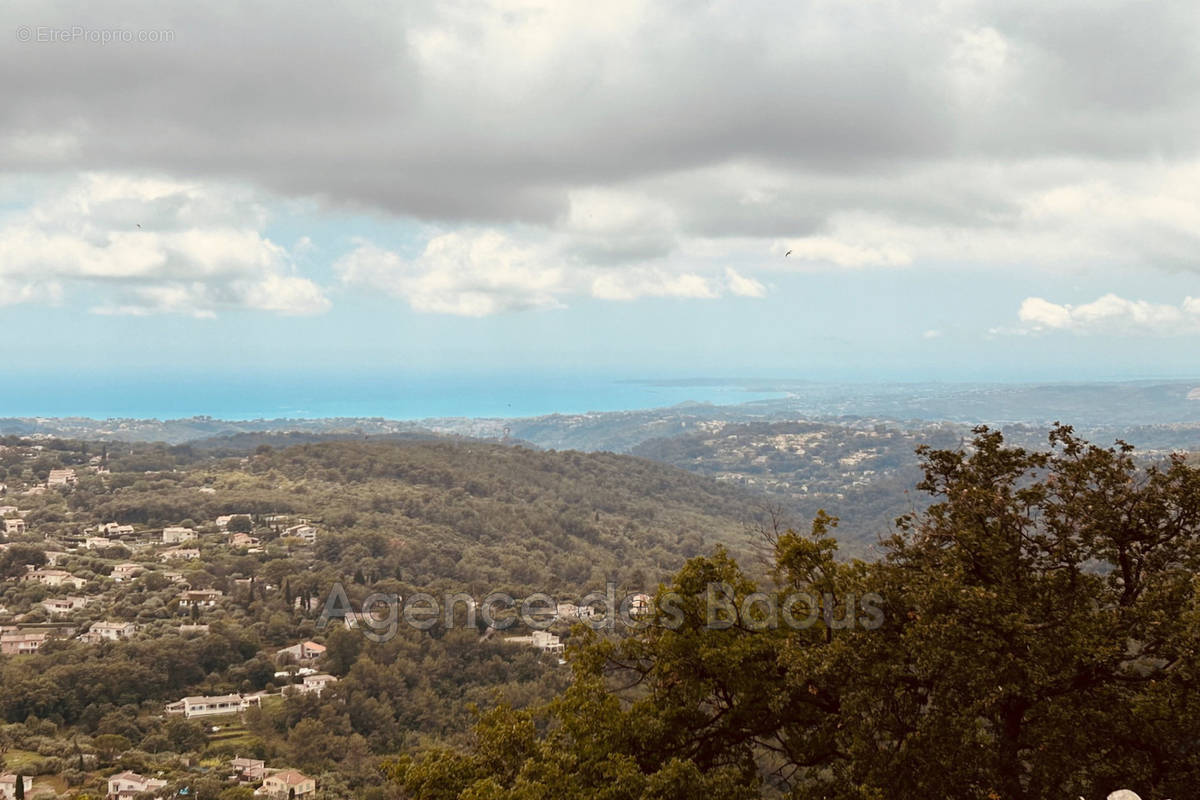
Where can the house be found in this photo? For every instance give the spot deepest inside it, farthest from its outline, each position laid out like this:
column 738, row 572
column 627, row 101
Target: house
column 128, row 571
column 126, row 785
column 199, row 598
column 97, row 543
column 6, row 510
column 242, row 540
column 54, row 577
column 288, row 783
column 63, row 605
column 61, row 478
column 539, row 640
column 177, row 535
column 20, row 643
column 181, row 553
column 315, row 684
column 304, row 531
column 192, row 630
column 111, row 631
column 305, row 651
column 248, row 770
column 8, row 786
column 14, row 526
column 191, row 707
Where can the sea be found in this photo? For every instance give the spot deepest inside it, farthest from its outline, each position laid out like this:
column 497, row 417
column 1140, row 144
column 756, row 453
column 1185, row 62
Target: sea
column 393, row 394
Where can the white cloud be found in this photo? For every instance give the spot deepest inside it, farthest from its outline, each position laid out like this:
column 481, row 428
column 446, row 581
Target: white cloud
column 742, row 286
column 1111, row 314
column 481, row 272
column 141, row 245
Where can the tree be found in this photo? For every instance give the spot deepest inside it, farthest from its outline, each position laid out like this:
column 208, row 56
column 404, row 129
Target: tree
column 240, row 524
column 1034, row 634
column 19, row 787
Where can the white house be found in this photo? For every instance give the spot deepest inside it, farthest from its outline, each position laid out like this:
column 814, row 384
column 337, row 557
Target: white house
column 63, row 605
column 8, row 785
column 125, row 785
column 128, row 571
column 539, row 640
column 54, row 577
column 306, row 532
column 111, row 631
column 96, row 542
column 14, row 526
column 199, row 706
column 177, row 535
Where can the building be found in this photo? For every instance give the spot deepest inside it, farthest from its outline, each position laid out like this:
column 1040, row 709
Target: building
column 304, row 531
column 199, row 598
column 305, row 651
column 61, row 478
column 242, row 540
column 97, row 543
column 177, row 535
column 126, row 785
column 191, row 707
column 21, row 643
column 54, row 577
column 63, row 605
column 14, row 526
column 128, row 571
column 288, row 783
column 248, row 770
column 224, row 520
column 110, row 631
column 539, row 640
column 180, row 553
column 8, row 786
column 315, row 684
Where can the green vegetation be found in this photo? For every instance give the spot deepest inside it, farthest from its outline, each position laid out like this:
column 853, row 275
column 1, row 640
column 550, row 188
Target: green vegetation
column 1040, row 640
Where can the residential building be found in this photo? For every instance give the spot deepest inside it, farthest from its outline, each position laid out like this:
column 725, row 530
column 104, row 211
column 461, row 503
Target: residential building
column 177, row 535
column 8, row 786
column 56, row 606
column 315, row 684
column 288, row 783
column 304, row 531
column 126, row 785
column 61, row 478
column 242, row 540
column 304, row 651
column 199, row 598
column 199, row 706
column 248, row 770
column 96, row 543
column 111, row 631
column 20, row 643
column 14, row 526
column 54, row 577
column 539, row 640
column 128, row 571
column 180, row 553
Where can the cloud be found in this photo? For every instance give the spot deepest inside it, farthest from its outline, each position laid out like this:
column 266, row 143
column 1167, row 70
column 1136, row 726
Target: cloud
column 199, row 249
column 742, row 286
column 1112, row 314
column 478, row 272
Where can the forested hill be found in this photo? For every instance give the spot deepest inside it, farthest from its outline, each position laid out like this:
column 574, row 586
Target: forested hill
column 423, row 512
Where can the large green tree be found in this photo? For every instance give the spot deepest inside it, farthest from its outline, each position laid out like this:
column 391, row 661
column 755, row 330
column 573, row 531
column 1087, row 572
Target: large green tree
column 1034, row 634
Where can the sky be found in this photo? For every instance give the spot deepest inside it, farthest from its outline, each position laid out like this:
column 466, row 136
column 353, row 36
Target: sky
column 876, row 190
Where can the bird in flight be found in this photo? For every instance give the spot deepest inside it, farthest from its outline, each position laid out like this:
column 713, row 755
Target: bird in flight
column 785, row 255
column 139, row 226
